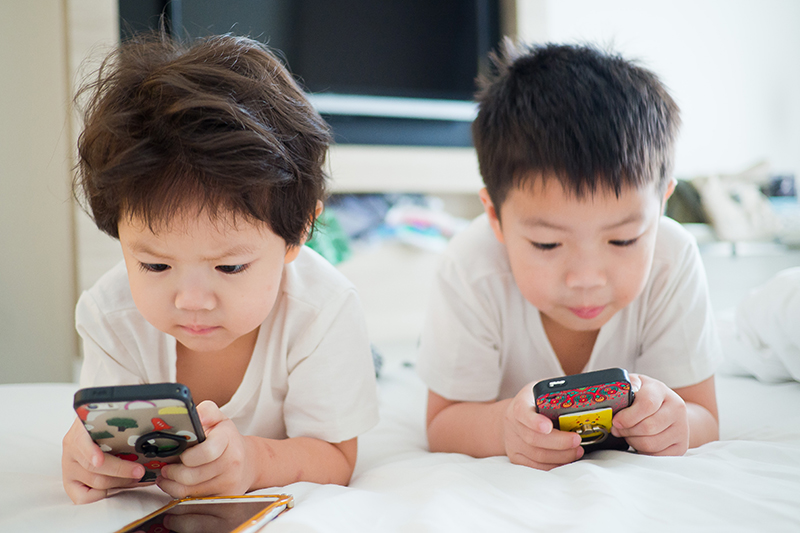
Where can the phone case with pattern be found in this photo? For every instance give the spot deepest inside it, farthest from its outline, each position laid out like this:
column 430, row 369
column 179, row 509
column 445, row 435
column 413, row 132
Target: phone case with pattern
column 609, row 388
column 150, row 424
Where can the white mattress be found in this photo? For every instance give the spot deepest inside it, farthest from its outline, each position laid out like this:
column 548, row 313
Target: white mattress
column 748, row 481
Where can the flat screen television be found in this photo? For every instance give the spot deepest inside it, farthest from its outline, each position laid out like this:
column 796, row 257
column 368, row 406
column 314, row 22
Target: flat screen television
column 396, row 72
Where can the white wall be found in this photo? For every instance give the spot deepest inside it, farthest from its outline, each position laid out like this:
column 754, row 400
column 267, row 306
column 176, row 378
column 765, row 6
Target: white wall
column 733, row 66
column 37, row 339
column 42, row 42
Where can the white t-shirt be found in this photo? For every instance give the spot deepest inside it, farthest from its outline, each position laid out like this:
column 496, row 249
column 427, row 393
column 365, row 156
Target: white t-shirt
column 483, row 341
column 311, row 373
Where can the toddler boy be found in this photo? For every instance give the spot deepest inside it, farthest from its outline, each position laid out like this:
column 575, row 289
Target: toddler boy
column 205, row 161
column 572, row 268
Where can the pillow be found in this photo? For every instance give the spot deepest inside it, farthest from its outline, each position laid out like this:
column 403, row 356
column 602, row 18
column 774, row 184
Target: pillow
column 764, row 341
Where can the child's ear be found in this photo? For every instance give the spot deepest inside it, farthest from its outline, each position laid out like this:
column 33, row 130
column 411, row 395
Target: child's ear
column 491, row 212
column 293, row 251
column 670, row 189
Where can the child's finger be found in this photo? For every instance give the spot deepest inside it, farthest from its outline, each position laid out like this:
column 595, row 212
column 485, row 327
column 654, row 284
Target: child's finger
column 524, row 414
column 113, row 468
column 644, row 406
column 104, row 482
column 656, row 444
column 538, row 423
column 79, row 445
column 210, row 414
column 652, row 425
column 91, row 458
column 636, row 382
column 80, row 493
column 179, row 490
column 559, row 440
column 190, row 477
column 546, row 459
column 207, row 451
column 119, row 468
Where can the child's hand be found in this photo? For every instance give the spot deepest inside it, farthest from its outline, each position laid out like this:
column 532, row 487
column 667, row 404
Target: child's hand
column 657, row 423
column 530, row 438
column 218, row 465
column 87, row 473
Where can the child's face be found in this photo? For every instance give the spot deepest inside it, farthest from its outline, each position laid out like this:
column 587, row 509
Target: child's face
column 207, row 283
column 578, row 261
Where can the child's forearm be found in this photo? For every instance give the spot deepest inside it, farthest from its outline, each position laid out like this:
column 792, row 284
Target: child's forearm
column 475, row 429
column 282, row 462
column 703, row 427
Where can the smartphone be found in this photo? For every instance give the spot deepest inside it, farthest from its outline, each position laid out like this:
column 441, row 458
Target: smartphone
column 217, row 514
column 586, row 404
column 150, row 424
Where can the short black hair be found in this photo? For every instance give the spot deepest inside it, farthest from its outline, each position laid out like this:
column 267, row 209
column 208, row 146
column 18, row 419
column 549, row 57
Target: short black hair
column 589, row 118
column 216, row 123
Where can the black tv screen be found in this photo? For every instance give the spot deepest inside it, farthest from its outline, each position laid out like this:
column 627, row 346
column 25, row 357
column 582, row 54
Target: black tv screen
column 399, row 53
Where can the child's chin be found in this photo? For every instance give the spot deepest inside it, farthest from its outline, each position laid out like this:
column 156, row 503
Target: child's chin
column 576, row 323
column 203, row 344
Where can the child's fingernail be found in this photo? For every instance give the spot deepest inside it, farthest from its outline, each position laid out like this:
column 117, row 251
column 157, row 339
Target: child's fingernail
column 96, row 461
column 138, row 472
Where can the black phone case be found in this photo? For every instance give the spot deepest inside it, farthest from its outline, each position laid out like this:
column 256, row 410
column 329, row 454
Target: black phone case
column 150, row 424
column 583, row 392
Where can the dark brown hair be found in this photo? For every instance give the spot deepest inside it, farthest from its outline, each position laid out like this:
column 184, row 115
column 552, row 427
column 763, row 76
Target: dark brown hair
column 591, row 119
column 216, row 124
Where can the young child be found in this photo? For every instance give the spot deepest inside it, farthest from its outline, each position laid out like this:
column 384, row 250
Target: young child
column 205, row 161
column 572, row 268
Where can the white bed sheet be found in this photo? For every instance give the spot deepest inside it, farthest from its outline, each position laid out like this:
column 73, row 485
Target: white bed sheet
column 748, row 481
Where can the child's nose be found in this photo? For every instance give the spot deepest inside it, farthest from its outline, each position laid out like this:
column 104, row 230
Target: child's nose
column 585, row 274
column 194, row 295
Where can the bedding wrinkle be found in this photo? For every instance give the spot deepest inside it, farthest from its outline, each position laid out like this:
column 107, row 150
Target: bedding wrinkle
column 750, row 481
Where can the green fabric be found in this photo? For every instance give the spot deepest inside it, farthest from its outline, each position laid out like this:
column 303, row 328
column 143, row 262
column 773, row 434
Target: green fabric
column 329, row 240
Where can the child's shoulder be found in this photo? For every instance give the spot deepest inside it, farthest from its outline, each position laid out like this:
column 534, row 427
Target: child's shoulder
column 112, row 292
column 676, row 259
column 310, row 278
column 674, row 242
column 476, row 252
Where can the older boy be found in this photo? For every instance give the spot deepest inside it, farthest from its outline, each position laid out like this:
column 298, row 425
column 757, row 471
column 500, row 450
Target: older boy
column 205, row 161
column 572, row 268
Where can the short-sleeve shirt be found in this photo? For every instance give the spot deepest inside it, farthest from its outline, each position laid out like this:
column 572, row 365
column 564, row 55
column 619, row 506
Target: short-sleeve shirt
column 482, row 340
column 311, row 373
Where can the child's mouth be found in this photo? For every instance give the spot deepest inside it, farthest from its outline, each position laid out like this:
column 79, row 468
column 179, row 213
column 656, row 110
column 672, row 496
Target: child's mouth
column 587, row 312
column 199, row 330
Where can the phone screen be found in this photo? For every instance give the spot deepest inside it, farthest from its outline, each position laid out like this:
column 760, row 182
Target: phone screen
column 201, row 516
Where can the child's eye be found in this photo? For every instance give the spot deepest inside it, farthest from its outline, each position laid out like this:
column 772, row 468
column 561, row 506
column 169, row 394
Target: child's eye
column 232, row 269
column 545, row 245
column 628, row 242
column 153, row 267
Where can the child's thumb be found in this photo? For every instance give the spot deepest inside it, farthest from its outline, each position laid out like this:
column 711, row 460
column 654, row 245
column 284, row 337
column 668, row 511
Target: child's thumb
column 210, row 414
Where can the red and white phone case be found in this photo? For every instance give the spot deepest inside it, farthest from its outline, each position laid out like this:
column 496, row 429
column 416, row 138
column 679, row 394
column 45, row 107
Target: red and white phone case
column 596, row 396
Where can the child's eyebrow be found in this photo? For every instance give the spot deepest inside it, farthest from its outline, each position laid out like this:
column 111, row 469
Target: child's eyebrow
column 534, row 221
column 142, row 248
column 630, row 219
column 540, row 222
column 239, row 249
